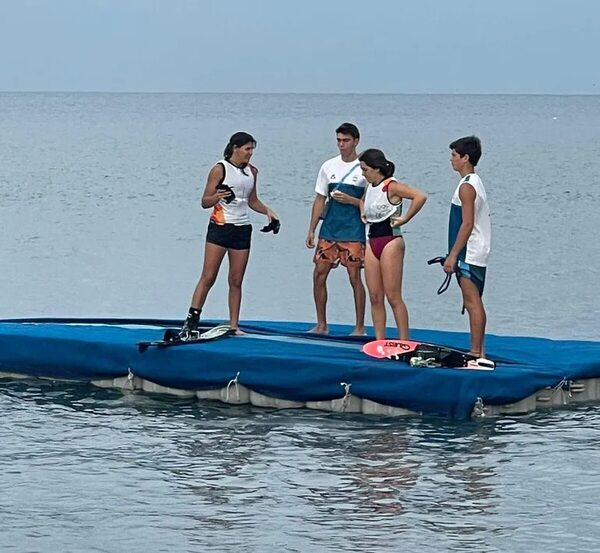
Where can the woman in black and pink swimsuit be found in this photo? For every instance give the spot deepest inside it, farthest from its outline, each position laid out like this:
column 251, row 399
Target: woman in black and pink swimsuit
column 381, row 208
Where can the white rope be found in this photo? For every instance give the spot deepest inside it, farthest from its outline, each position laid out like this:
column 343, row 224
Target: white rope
column 130, row 377
column 478, row 408
column 233, row 382
column 570, row 387
column 563, row 385
column 347, row 394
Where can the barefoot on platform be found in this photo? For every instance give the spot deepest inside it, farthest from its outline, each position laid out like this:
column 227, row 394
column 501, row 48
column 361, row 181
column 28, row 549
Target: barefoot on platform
column 318, row 330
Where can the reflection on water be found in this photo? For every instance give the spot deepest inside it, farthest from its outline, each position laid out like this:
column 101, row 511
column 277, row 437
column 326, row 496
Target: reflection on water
column 172, row 474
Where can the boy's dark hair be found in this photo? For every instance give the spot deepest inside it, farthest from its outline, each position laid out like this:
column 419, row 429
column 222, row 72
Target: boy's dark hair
column 349, row 129
column 468, row 145
column 376, row 159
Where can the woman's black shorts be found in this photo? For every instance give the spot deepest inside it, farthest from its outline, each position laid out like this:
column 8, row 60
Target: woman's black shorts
column 235, row 237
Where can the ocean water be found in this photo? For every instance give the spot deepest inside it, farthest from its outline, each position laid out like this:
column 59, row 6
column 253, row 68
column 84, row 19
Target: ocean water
column 100, row 214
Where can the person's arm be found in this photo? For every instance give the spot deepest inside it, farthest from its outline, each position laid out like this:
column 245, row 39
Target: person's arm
column 322, row 190
column 315, row 214
column 344, row 198
column 255, row 204
column 398, row 191
column 467, row 196
column 211, row 195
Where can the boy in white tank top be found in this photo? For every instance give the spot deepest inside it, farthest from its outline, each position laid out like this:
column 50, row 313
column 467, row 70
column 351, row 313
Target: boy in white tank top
column 469, row 236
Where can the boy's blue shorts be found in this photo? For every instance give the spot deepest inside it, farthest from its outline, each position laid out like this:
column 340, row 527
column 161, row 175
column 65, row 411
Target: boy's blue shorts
column 473, row 272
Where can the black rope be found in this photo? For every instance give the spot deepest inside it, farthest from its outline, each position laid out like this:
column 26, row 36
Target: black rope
column 447, row 279
column 446, row 284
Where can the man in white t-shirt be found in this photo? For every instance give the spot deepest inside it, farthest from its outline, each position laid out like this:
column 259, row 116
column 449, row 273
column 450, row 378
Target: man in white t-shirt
column 339, row 188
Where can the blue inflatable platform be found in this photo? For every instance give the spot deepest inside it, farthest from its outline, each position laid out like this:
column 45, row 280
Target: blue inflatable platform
column 280, row 360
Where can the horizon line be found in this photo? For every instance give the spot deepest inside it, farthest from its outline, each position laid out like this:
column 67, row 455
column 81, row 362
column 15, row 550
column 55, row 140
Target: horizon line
column 302, row 93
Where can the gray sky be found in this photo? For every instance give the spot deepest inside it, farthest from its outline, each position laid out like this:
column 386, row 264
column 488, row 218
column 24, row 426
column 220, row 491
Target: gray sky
column 422, row 46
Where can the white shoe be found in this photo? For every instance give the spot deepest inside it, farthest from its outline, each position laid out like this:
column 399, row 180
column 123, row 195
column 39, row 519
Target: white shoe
column 482, row 364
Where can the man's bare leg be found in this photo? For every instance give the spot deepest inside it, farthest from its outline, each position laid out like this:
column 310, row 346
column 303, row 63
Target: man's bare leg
column 358, row 289
column 320, row 275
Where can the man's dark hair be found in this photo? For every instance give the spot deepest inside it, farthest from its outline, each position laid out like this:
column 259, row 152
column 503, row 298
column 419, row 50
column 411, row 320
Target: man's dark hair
column 349, row 129
column 468, row 145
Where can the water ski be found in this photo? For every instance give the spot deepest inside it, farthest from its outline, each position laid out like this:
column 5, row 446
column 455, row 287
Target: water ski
column 172, row 337
column 419, row 354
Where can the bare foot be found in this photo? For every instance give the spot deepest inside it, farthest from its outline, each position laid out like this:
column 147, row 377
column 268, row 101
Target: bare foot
column 236, row 332
column 358, row 332
column 318, row 330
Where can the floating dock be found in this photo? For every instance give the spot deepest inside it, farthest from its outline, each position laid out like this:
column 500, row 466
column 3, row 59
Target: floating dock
column 278, row 365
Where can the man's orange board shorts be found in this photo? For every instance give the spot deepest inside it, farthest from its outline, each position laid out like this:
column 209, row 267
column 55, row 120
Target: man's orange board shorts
column 349, row 254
